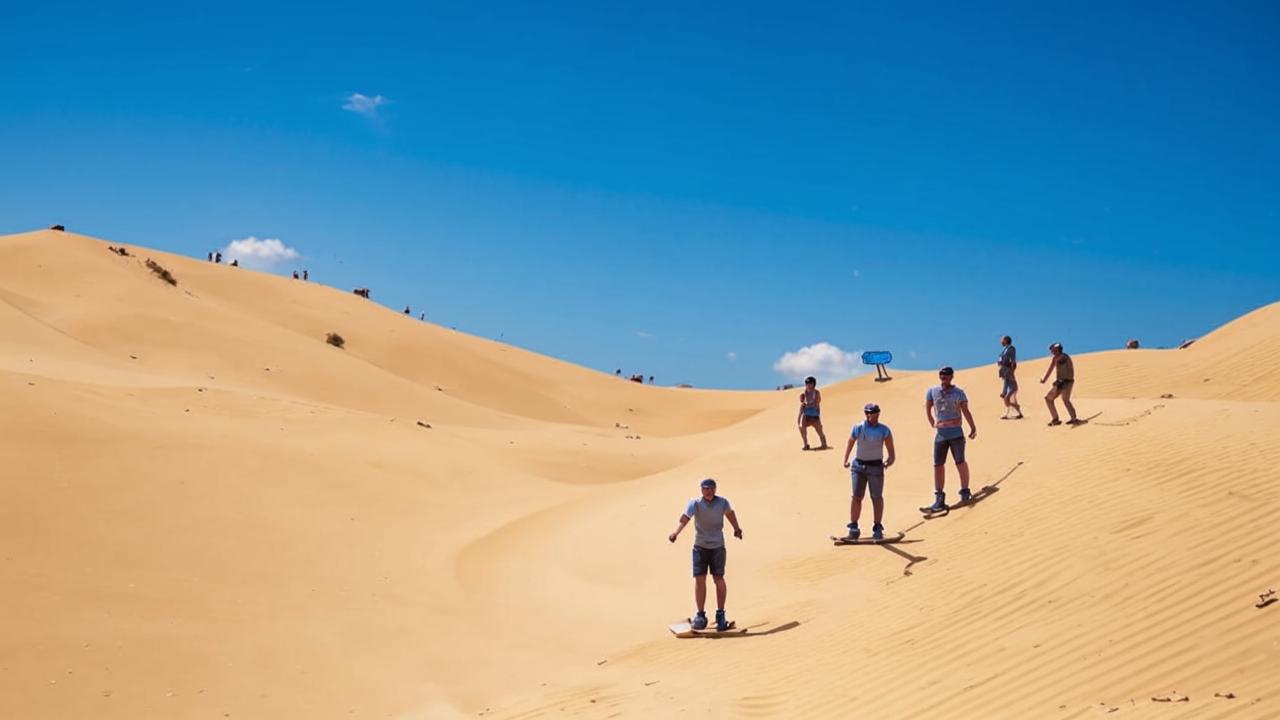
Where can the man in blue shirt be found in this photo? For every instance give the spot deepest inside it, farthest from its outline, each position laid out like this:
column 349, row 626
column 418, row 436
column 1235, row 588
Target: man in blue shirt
column 869, row 464
column 949, row 402
column 1007, row 366
column 708, row 513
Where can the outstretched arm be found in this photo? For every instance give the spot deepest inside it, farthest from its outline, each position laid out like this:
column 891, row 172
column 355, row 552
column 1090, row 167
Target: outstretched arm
column 1048, row 370
column 733, row 520
column 684, row 520
column 973, row 428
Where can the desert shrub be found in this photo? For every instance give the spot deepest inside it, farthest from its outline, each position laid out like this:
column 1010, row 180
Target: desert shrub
column 335, row 340
column 161, row 272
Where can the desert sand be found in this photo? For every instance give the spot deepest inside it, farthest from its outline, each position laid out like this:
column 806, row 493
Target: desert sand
column 209, row 512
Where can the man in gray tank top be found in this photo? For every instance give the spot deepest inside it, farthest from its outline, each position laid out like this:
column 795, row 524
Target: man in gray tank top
column 708, row 513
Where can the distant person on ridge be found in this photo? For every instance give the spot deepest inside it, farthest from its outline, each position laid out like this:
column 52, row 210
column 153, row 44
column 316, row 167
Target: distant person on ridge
column 811, row 412
column 1062, row 384
column 1007, row 366
column 949, row 402
column 869, row 464
column 708, row 513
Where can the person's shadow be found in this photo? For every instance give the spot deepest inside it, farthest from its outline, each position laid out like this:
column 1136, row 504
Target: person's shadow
column 751, row 631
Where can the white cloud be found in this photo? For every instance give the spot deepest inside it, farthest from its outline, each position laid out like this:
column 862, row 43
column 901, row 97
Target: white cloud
column 822, row 360
column 733, row 356
column 255, row 253
column 645, row 335
column 363, row 104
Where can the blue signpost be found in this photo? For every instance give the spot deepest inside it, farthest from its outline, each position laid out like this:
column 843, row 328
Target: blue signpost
column 879, row 358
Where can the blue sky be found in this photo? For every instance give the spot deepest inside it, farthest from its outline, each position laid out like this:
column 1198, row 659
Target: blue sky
column 684, row 192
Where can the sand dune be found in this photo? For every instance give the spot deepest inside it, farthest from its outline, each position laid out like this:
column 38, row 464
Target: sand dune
column 210, row 512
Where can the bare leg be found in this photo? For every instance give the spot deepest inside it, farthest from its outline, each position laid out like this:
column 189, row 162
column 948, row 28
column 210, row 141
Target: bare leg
column 822, row 436
column 700, row 592
column 963, row 468
column 722, row 590
column 1053, row 410
column 855, row 509
column 939, row 477
column 804, row 434
column 1013, row 400
column 1066, row 401
column 878, row 504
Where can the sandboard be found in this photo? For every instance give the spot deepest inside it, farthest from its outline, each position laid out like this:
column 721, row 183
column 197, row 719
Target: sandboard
column 886, row 540
column 684, row 629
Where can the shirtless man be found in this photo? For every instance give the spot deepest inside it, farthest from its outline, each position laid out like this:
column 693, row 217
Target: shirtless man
column 1062, row 384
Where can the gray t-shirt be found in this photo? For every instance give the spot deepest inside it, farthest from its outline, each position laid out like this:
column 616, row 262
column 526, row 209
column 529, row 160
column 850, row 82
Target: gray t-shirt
column 946, row 405
column 708, row 521
column 870, row 440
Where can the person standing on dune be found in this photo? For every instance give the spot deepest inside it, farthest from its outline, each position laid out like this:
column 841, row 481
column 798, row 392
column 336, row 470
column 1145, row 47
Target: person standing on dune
column 811, row 412
column 1007, row 365
column 1062, row 384
column 949, row 402
column 869, row 464
column 708, row 513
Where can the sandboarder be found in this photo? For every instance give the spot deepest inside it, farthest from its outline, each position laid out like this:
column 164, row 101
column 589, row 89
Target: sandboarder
column 1007, row 366
column 869, row 464
column 1062, row 384
column 949, row 402
column 708, row 513
column 811, row 412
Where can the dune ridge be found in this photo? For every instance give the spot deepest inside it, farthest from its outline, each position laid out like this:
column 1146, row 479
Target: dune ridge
column 210, row 512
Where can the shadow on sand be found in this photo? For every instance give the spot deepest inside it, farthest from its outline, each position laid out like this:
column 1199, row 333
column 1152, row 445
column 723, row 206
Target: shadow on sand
column 752, row 632
column 911, row 559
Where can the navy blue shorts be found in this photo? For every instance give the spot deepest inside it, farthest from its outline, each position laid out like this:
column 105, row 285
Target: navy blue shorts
column 1010, row 386
column 867, row 475
column 940, row 446
column 708, row 559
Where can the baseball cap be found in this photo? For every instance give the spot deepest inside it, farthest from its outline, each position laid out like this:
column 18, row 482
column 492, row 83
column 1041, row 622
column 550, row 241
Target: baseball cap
column 947, row 370
column 1056, row 346
column 871, row 408
column 708, row 483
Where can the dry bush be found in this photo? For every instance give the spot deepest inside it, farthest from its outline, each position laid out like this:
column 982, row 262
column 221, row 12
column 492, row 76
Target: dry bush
column 161, row 272
column 335, row 340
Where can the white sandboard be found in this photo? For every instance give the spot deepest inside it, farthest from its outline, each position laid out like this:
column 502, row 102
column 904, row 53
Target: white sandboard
column 684, row 629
